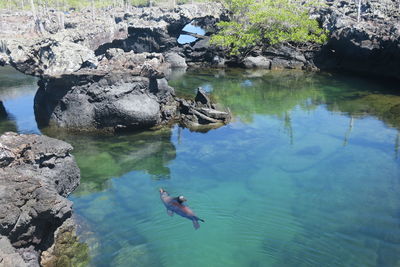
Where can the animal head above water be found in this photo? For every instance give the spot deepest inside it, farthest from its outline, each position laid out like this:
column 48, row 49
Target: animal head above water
column 181, row 199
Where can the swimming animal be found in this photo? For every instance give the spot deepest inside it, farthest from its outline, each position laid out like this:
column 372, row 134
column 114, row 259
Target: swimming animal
column 175, row 204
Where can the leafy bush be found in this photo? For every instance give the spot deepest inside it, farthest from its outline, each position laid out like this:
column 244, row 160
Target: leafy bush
column 270, row 22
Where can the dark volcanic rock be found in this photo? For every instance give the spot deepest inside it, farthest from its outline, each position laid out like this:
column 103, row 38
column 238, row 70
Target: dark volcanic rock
column 114, row 101
column 37, row 173
column 200, row 114
column 127, row 91
column 371, row 46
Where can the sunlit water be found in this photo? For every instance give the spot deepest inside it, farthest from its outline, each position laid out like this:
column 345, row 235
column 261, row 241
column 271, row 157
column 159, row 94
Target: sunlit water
column 307, row 174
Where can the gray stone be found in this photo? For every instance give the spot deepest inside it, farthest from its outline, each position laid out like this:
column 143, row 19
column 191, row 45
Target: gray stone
column 257, row 62
column 49, row 57
column 113, row 101
column 283, row 63
column 39, row 173
column 114, row 53
column 9, row 256
column 175, row 60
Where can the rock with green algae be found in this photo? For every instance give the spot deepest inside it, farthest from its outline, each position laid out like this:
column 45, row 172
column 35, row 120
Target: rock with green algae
column 67, row 250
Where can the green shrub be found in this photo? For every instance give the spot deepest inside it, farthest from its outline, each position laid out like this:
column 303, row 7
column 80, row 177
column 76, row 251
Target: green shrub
column 267, row 22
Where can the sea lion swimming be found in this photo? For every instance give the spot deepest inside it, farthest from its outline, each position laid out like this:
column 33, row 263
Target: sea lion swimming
column 175, row 204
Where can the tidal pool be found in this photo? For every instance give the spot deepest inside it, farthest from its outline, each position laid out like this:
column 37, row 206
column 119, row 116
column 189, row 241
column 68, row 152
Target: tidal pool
column 307, row 174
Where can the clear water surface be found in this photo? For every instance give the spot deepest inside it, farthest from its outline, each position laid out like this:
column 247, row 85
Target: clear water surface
column 307, row 174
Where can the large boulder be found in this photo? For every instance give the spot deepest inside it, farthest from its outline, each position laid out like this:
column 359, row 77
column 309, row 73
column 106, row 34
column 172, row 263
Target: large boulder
column 115, row 101
column 126, row 91
column 257, row 62
column 175, row 60
column 37, row 174
column 48, row 57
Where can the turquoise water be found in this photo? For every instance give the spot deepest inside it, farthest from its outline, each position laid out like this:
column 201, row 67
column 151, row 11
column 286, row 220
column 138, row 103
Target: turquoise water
column 307, row 174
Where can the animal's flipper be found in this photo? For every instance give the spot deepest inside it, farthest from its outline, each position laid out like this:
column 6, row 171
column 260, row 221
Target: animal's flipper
column 196, row 224
column 170, row 212
column 197, row 218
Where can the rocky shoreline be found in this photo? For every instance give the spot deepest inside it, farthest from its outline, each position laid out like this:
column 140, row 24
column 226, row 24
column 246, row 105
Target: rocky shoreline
column 112, row 76
column 37, row 174
column 90, row 83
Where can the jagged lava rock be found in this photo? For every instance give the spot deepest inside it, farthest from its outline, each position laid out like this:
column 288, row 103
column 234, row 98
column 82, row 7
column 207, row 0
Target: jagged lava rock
column 36, row 174
column 127, row 91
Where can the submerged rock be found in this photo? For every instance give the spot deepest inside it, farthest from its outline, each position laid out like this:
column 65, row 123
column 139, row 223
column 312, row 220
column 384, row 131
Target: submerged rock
column 36, row 174
column 131, row 255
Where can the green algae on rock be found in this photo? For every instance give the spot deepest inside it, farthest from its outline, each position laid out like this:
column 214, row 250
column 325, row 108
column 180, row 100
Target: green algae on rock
column 67, row 250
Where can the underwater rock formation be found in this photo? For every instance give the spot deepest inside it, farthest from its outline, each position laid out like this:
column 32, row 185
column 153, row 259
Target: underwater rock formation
column 37, row 174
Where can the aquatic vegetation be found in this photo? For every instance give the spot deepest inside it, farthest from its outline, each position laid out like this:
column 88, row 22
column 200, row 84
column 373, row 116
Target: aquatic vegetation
column 67, row 250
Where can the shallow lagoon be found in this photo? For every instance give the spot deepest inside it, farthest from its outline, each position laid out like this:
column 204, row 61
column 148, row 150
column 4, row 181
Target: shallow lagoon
column 307, row 174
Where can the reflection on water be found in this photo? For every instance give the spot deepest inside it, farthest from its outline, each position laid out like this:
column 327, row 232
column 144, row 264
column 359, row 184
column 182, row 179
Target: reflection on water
column 6, row 123
column 17, row 92
column 306, row 175
column 102, row 157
